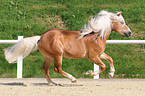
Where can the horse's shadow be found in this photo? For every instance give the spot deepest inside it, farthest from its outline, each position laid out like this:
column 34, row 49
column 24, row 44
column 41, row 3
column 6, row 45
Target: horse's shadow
column 41, row 84
column 62, row 85
column 13, row 84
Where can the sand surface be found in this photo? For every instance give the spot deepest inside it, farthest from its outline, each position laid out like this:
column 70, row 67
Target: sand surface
column 83, row 87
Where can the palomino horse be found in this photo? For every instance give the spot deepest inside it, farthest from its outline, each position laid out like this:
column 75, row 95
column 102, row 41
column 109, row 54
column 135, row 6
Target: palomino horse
column 88, row 43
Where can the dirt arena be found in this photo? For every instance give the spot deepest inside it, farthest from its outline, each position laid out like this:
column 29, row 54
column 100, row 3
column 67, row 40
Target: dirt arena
column 83, row 87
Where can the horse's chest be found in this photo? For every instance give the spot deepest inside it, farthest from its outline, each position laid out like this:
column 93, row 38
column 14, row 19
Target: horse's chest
column 96, row 48
column 74, row 50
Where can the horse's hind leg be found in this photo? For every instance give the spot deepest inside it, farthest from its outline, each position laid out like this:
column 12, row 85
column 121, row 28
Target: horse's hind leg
column 58, row 68
column 45, row 70
column 110, row 60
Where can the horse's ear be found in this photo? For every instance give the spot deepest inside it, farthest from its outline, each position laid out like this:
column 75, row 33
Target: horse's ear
column 119, row 13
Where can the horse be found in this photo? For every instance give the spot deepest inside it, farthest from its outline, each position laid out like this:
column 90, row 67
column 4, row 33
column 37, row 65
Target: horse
column 89, row 43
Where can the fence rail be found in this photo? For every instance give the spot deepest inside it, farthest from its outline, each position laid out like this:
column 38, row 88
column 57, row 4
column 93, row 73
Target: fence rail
column 96, row 67
column 8, row 41
column 125, row 42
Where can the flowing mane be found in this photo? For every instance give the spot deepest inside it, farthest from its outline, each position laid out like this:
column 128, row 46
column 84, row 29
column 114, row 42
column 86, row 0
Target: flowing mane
column 101, row 24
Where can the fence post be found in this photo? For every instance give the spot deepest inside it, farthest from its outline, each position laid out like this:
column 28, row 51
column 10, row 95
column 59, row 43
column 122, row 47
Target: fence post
column 19, row 62
column 96, row 68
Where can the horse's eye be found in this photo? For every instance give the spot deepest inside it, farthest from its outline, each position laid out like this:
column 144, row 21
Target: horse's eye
column 122, row 22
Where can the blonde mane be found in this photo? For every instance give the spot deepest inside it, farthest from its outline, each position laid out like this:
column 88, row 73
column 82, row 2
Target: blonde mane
column 101, row 24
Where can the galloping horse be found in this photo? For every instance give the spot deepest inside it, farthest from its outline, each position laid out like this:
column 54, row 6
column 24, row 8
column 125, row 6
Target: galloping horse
column 88, row 43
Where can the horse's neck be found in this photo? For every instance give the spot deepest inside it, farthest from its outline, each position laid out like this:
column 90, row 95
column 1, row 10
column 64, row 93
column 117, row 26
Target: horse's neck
column 92, row 37
column 105, row 37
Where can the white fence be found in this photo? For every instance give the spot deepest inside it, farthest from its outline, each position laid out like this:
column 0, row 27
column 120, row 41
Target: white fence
column 20, row 60
column 96, row 67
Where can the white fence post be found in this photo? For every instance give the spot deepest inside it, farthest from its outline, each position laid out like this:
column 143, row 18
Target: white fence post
column 96, row 67
column 19, row 63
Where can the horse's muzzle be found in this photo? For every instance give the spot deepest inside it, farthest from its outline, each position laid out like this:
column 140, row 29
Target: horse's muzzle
column 127, row 33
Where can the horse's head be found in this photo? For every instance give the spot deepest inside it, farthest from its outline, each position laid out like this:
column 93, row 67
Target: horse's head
column 119, row 26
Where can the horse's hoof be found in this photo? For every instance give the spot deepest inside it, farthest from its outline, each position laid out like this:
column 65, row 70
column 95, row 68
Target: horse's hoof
column 51, row 84
column 59, row 84
column 89, row 72
column 74, row 81
column 111, row 75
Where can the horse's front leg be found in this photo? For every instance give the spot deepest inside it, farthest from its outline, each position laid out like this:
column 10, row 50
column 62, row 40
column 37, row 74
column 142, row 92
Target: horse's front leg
column 97, row 61
column 110, row 60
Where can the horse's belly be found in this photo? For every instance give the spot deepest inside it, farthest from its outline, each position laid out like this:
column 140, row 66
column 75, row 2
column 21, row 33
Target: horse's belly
column 74, row 54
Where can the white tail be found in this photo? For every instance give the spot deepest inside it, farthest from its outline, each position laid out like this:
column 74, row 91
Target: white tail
column 23, row 48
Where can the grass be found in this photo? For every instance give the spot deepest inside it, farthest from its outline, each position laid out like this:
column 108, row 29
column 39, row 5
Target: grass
column 33, row 17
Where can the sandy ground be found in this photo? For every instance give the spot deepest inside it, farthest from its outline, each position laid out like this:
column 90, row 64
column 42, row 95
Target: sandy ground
column 83, row 87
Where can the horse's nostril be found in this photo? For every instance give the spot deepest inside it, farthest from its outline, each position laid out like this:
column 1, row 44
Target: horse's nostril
column 129, row 33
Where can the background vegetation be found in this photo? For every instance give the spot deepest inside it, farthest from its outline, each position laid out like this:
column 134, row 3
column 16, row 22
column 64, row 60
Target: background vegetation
column 33, row 17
